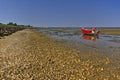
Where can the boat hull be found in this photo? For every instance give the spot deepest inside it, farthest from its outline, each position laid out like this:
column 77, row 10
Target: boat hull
column 89, row 32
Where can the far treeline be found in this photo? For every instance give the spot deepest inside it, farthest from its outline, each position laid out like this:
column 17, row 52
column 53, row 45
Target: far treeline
column 7, row 29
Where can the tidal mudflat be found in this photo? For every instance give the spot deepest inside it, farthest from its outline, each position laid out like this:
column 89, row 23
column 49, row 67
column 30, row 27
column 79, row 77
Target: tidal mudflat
column 105, row 45
column 33, row 55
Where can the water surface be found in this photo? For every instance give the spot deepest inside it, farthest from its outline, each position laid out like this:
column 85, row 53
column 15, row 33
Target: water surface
column 102, row 45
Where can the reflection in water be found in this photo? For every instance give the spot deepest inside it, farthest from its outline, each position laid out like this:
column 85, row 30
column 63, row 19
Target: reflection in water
column 109, row 45
column 92, row 38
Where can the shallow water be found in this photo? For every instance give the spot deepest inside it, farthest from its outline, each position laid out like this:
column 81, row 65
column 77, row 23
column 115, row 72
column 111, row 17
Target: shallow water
column 103, row 45
column 74, row 35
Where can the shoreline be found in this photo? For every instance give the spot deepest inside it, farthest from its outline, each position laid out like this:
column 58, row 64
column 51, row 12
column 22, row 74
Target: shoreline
column 110, row 31
column 28, row 54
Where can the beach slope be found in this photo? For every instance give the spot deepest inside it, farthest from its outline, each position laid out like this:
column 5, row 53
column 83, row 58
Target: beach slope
column 30, row 55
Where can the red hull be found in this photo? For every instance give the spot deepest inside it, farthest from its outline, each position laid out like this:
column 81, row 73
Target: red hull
column 89, row 32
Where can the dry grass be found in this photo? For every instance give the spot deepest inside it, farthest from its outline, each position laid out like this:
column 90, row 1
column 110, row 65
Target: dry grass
column 110, row 31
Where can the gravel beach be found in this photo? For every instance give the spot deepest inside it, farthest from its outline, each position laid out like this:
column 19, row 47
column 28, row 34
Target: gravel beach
column 30, row 55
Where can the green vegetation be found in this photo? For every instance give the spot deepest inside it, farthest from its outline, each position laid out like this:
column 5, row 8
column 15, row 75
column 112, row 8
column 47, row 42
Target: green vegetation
column 11, row 24
column 7, row 29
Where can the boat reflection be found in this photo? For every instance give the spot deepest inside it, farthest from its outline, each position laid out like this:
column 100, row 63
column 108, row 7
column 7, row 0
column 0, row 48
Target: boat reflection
column 91, row 38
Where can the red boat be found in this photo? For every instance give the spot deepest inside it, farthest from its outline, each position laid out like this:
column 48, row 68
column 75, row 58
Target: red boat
column 92, row 31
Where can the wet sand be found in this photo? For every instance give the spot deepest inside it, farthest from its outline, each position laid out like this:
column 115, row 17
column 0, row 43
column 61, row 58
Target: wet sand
column 30, row 55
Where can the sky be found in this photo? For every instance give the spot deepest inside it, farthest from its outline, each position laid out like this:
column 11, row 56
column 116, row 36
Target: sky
column 61, row 13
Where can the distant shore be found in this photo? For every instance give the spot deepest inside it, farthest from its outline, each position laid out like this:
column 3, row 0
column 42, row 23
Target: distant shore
column 103, row 30
column 31, row 55
column 110, row 31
